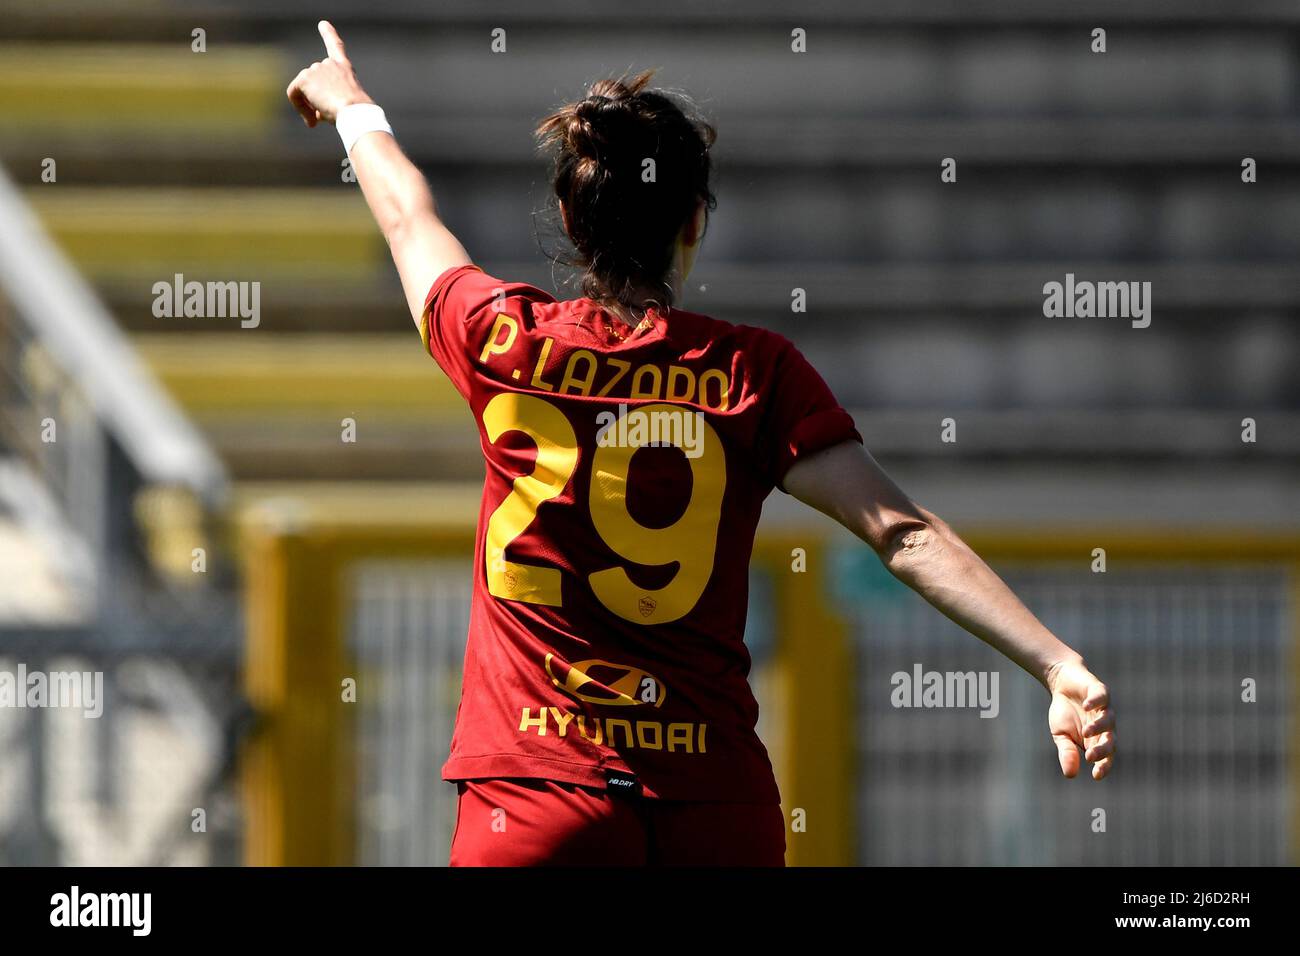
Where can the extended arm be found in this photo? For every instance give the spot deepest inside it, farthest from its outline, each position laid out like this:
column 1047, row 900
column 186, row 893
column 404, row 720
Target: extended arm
column 397, row 193
column 920, row 550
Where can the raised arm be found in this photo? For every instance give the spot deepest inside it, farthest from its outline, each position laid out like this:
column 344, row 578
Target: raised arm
column 846, row 484
column 397, row 193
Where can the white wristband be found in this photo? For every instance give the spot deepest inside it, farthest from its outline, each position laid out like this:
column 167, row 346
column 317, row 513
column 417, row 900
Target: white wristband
column 357, row 119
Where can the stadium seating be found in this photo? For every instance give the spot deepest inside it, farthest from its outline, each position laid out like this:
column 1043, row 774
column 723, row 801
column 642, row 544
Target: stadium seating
column 924, row 302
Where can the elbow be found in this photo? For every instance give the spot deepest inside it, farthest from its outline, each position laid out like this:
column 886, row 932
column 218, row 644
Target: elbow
column 907, row 542
column 395, row 222
column 401, row 219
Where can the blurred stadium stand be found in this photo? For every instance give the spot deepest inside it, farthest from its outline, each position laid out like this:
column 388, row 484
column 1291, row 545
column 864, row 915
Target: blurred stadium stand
column 924, row 303
column 107, row 496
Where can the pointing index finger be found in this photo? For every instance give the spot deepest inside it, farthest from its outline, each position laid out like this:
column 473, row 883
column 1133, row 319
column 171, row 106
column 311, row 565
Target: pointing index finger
column 333, row 42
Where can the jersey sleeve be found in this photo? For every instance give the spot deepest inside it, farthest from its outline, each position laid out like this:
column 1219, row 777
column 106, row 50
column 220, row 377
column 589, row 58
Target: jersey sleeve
column 803, row 415
column 459, row 315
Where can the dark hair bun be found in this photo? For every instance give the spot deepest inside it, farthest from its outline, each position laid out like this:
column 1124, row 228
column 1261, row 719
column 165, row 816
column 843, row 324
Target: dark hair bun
column 632, row 167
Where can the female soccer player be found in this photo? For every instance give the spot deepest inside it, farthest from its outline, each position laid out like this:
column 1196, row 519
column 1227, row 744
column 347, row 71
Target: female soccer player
column 629, row 445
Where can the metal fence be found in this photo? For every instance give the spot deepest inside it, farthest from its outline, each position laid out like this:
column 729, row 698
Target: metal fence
column 94, row 460
column 408, row 636
column 1202, row 776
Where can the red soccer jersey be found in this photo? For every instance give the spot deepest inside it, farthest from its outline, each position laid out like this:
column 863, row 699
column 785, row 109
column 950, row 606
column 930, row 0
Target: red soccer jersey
column 624, row 483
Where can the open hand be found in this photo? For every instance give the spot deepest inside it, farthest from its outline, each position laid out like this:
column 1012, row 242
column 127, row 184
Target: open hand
column 1080, row 718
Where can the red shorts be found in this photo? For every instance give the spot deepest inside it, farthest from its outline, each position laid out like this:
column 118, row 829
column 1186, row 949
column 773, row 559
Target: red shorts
column 543, row 823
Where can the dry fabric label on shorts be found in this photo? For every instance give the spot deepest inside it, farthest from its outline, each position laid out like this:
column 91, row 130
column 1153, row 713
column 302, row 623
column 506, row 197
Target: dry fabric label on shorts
column 622, row 782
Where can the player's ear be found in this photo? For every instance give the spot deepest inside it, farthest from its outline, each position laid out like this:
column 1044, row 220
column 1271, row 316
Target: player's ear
column 693, row 231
